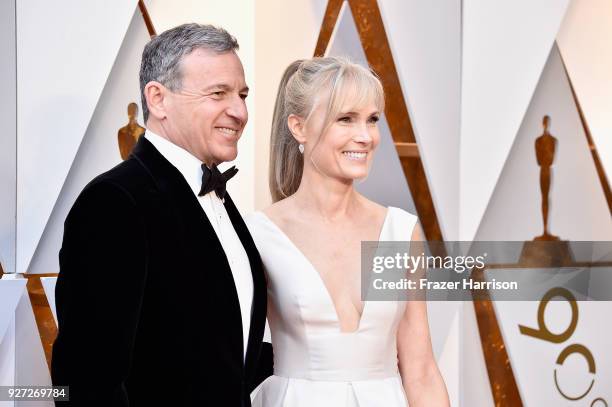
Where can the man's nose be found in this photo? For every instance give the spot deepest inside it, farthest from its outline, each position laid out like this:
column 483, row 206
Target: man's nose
column 237, row 110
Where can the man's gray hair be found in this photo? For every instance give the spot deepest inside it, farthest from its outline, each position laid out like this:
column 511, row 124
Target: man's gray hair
column 161, row 58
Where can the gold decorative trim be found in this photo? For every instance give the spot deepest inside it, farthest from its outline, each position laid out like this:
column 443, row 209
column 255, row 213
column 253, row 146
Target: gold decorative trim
column 147, row 18
column 47, row 329
column 499, row 369
column 407, row 149
column 330, row 17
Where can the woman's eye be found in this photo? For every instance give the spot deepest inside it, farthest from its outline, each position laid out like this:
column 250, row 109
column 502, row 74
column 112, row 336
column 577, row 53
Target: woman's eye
column 374, row 119
column 345, row 119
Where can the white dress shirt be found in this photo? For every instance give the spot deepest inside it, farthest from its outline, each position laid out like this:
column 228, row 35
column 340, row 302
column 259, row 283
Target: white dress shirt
column 190, row 167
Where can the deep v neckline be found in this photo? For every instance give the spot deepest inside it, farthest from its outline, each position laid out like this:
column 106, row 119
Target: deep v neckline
column 310, row 264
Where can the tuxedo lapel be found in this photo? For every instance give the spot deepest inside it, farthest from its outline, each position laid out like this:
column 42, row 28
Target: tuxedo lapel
column 258, row 309
column 199, row 234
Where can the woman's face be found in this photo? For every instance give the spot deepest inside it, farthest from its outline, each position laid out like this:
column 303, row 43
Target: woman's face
column 345, row 149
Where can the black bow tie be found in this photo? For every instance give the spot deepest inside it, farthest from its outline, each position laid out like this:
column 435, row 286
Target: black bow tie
column 214, row 180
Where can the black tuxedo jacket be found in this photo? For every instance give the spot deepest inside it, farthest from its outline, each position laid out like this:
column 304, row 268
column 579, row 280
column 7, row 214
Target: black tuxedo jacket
column 147, row 307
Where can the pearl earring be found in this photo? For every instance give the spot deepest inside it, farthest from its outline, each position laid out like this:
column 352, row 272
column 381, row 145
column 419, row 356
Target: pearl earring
column 301, row 148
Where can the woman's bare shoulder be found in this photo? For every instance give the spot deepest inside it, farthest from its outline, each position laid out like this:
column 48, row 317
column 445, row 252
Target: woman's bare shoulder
column 372, row 207
column 279, row 211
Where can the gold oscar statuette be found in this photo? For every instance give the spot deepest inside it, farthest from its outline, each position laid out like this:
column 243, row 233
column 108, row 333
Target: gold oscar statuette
column 129, row 134
column 546, row 250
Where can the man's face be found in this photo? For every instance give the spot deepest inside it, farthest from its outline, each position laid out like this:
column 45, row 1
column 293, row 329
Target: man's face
column 208, row 114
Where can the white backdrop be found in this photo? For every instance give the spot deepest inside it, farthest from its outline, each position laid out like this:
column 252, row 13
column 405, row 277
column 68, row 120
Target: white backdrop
column 55, row 104
column 583, row 41
column 477, row 77
column 8, row 139
column 99, row 149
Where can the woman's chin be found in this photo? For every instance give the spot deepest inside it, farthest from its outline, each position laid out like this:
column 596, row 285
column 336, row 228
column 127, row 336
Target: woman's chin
column 358, row 172
column 354, row 175
column 346, row 173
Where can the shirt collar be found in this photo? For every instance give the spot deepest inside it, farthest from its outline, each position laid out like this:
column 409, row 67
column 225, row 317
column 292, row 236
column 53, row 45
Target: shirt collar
column 187, row 164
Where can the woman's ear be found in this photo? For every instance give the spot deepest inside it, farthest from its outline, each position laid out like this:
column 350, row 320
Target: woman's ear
column 155, row 94
column 296, row 127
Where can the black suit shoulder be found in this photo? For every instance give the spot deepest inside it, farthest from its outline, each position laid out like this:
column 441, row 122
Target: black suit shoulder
column 117, row 194
column 130, row 176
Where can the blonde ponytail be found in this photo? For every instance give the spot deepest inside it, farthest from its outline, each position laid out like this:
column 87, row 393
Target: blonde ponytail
column 286, row 162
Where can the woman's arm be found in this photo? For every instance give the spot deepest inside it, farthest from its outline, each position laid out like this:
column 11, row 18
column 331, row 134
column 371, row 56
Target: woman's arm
column 421, row 378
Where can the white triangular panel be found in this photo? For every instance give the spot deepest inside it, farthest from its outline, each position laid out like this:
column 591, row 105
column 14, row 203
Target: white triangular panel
column 10, row 293
column 48, row 284
column 59, row 82
column 8, row 140
column 505, row 46
column 578, row 208
column 386, row 183
column 99, row 150
column 425, row 39
column 584, row 42
column 7, row 361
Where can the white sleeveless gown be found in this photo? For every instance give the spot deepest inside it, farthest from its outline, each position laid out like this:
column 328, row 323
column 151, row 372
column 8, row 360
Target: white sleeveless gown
column 315, row 364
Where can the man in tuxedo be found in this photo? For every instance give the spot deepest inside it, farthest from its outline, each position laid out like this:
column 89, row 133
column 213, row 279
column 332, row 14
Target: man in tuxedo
column 161, row 297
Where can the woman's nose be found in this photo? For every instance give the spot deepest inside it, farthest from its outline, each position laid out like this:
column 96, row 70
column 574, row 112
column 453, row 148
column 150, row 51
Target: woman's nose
column 362, row 136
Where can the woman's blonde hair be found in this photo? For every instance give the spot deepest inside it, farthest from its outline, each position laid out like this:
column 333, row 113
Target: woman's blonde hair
column 304, row 85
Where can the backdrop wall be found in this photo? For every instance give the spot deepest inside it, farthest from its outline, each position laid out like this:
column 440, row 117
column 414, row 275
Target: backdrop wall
column 477, row 78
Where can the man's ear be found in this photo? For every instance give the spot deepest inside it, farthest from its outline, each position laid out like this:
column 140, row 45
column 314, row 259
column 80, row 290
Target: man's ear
column 155, row 94
column 296, row 127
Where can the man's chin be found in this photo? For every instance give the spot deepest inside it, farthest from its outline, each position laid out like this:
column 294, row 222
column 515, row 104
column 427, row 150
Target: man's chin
column 226, row 156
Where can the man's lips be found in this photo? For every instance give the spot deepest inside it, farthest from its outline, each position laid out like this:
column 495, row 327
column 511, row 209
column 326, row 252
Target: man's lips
column 228, row 130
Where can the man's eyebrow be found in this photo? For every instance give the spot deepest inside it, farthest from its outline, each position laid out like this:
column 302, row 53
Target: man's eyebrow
column 221, row 86
column 224, row 87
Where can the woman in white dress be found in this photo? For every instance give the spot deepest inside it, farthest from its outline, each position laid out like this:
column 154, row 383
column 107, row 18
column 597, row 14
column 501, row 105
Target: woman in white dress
column 330, row 348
